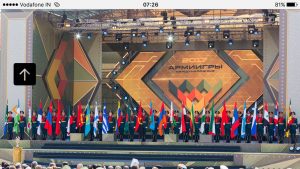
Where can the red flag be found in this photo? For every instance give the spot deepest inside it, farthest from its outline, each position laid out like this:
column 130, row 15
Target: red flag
column 183, row 127
column 120, row 118
column 48, row 124
column 58, row 117
column 224, row 120
column 79, row 116
column 236, row 122
column 140, row 118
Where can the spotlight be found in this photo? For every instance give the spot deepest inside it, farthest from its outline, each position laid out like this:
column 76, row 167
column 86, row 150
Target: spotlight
column 125, row 97
column 198, row 33
column 143, row 34
column 135, row 109
column 171, row 37
column 164, row 14
column 134, row 32
column 217, row 28
column 255, row 43
column 115, row 72
column 173, row 20
column 126, row 45
column 104, row 32
column 190, row 31
column 78, row 36
column 230, row 42
column 211, row 44
column 77, row 20
column 187, row 42
column 161, row 29
column 116, row 87
column 226, row 34
column 119, row 36
column 169, row 45
column 255, row 31
column 271, row 18
column 297, row 148
column 145, row 43
column 89, row 35
column 291, row 148
column 123, row 62
column 251, row 29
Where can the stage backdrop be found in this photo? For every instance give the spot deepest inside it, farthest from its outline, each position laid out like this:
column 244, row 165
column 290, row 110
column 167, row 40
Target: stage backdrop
column 201, row 77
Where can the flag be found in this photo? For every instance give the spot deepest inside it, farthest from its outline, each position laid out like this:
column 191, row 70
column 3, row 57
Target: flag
column 212, row 130
column 48, row 124
column 224, row 119
column 172, row 120
column 58, row 117
column 5, row 120
column 40, row 114
column 192, row 121
column 139, row 118
column 87, row 121
column 253, row 127
column 126, row 127
column 29, row 125
column 243, row 130
column 17, row 118
column 235, row 122
column 105, row 124
column 202, row 119
column 183, row 127
column 79, row 116
column 96, row 120
column 69, row 121
column 276, row 111
column 162, row 121
column 266, row 116
column 287, row 133
column 152, row 121
column 118, row 118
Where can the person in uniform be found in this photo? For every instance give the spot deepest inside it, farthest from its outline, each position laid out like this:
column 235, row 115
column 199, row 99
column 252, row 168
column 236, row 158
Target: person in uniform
column 218, row 121
column 187, row 119
column 293, row 125
column 43, row 122
column 132, row 126
column 92, row 118
column 22, row 124
column 197, row 126
column 111, row 122
column 82, row 129
column 177, row 123
column 121, row 125
column 259, row 127
column 10, row 126
column 73, row 120
column 35, row 125
column 154, row 132
column 168, row 125
column 144, row 126
column 228, row 125
column 207, row 122
column 53, row 125
column 100, row 123
column 248, row 127
column 281, row 127
column 271, row 127
column 240, row 119
column 63, row 125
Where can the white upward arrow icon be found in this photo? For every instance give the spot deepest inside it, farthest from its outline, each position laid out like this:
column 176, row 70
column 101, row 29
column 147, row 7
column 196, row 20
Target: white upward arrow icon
column 24, row 71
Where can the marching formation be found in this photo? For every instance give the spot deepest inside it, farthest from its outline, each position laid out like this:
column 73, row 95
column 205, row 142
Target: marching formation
column 189, row 124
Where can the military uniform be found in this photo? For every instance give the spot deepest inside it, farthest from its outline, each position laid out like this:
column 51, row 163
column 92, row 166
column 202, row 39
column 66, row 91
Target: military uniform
column 10, row 126
column 121, row 127
column 44, row 131
column 228, row 125
column 197, row 127
column 35, row 126
column 73, row 124
column 92, row 118
column 186, row 135
column 63, row 127
column 111, row 122
column 218, row 120
column 281, row 128
column 271, row 127
column 168, row 125
column 154, row 132
column 177, row 124
column 22, row 126
column 259, row 128
column 100, row 123
column 143, row 128
column 53, row 127
column 248, row 128
column 206, row 125
column 132, row 126
column 293, row 124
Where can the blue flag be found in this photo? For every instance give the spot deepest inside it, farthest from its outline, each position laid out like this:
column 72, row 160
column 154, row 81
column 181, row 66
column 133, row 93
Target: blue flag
column 243, row 131
column 253, row 128
column 87, row 121
column 152, row 125
column 105, row 124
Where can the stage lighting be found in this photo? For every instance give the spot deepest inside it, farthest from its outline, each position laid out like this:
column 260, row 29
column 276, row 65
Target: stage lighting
column 115, row 72
column 255, row 31
column 134, row 32
column 230, row 42
column 217, row 28
column 123, row 62
column 161, row 29
column 211, row 44
column 170, row 38
column 173, row 20
column 126, row 45
column 226, row 34
column 104, row 32
column 145, row 43
column 251, row 29
column 89, row 35
column 198, row 33
column 125, row 97
column 77, row 35
column 190, row 31
column 255, row 43
column 291, row 148
column 169, row 45
column 297, row 148
column 143, row 34
column 119, row 36
column 164, row 14
column 135, row 109
column 187, row 42
column 271, row 18
column 116, row 87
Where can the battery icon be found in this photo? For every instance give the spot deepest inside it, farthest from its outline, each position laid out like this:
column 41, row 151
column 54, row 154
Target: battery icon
column 291, row 4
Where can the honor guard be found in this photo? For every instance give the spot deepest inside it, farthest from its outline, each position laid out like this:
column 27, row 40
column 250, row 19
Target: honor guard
column 121, row 125
column 154, row 132
column 259, row 127
column 112, row 122
column 73, row 121
column 186, row 135
column 43, row 122
column 22, row 124
column 35, row 125
column 100, row 123
column 293, row 125
column 92, row 118
column 271, row 127
column 10, row 126
column 249, row 119
column 167, row 128
column 228, row 125
column 63, row 125
column 197, row 126
column 281, row 127
column 240, row 119
column 132, row 126
column 218, row 120
column 144, row 127
column 207, row 122
column 176, row 123
column 53, row 125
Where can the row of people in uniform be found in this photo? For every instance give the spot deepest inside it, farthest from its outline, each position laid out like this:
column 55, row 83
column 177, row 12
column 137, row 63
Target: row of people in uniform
column 144, row 122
